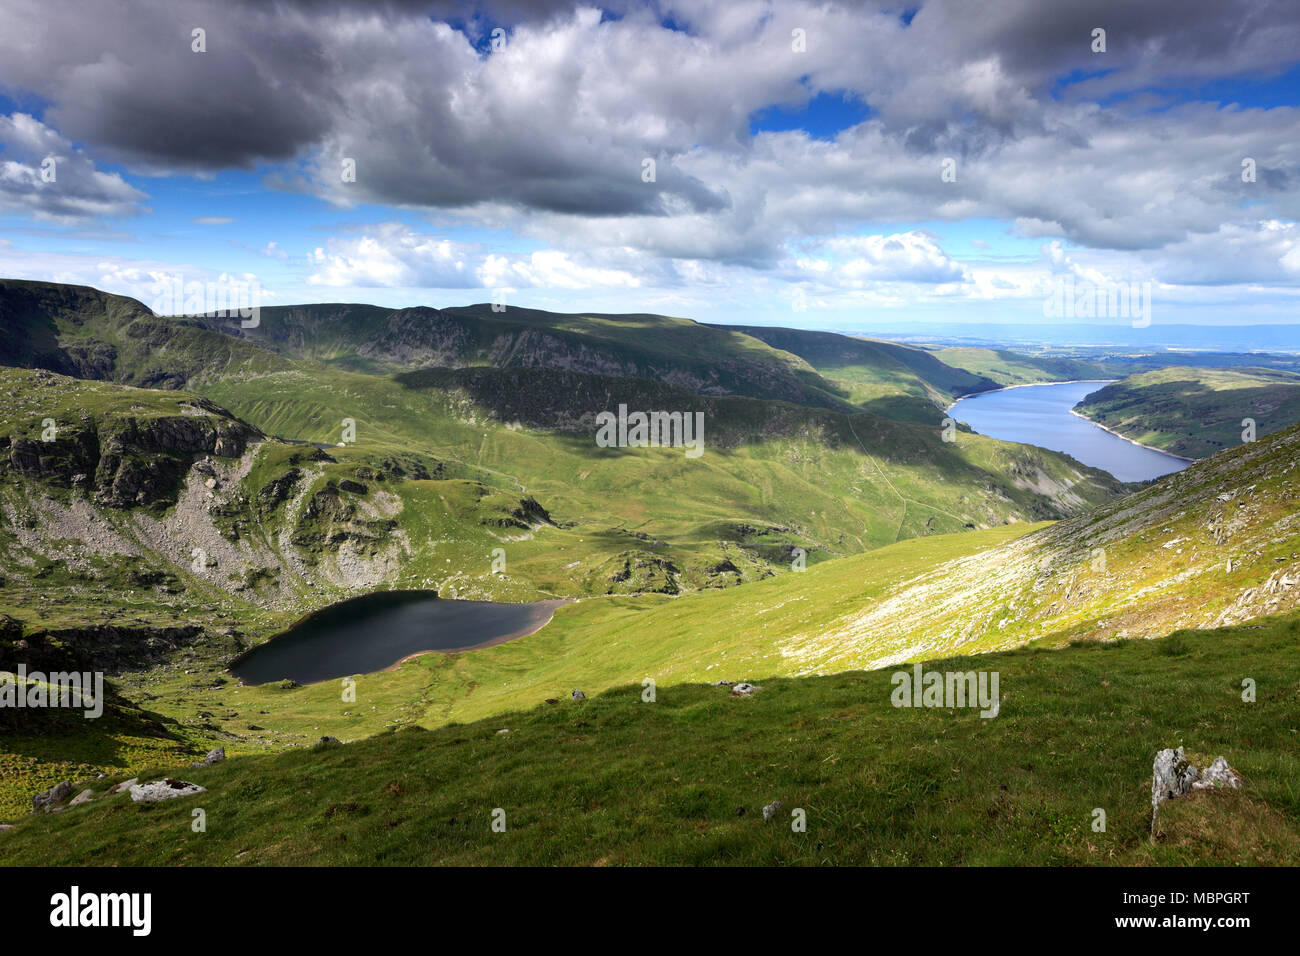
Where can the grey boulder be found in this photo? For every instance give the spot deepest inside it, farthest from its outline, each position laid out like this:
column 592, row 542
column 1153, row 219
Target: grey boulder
column 55, row 795
column 168, row 789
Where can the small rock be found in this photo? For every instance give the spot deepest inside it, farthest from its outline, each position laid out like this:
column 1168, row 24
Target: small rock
column 504, row 730
column 744, row 690
column 1218, row 774
column 769, row 811
column 168, row 789
column 120, row 787
column 725, row 683
column 330, row 741
column 215, row 755
column 56, row 794
column 5, row 826
column 83, row 797
column 579, row 695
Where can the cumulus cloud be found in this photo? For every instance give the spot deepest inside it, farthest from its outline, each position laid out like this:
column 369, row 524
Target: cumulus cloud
column 394, row 256
column 856, row 261
column 546, row 137
column 42, row 174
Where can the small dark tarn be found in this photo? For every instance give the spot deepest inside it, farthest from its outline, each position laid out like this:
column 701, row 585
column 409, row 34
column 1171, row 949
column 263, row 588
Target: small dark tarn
column 377, row 631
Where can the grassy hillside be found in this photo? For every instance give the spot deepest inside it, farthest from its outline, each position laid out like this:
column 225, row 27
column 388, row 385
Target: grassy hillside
column 1215, row 544
column 824, row 481
column 877, row 784
column 190, row 701
column 434, row 480
column 92, row 575
column 1195, row 412
column 1019, row 368
column 701, row 359
column 896, row 381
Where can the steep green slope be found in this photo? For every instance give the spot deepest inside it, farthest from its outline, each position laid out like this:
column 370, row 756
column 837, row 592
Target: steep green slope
column 85, row 333
column 876, row 784
column 159, row 534
column 701, row 359
column 1212, row 545
column 1195, row 412
column 896, row 381
column 787, row 475
column 816, row 479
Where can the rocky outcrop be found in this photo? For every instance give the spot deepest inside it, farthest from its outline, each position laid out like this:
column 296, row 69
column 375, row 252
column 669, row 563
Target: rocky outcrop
column 125, row 461
column 328, row 520
column 122, row 787
column 143, row 461
column 634, row 572
column 419, row 337
column 1172, row 776
column 527, row 514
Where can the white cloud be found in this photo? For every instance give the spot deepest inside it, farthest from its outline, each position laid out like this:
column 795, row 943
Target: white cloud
column 44, row 175
column 857, row 261
column 392, row 255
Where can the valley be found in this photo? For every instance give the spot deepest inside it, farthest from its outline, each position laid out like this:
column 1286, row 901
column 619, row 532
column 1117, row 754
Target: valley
column 176, row 491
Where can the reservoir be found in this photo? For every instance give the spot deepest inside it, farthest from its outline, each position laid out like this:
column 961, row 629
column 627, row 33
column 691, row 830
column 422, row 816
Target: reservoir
column 1040, row 415
column 377, row 631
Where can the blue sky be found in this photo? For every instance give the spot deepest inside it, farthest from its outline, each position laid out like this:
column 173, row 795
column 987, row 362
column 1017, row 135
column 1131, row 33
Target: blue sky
column 822, row 165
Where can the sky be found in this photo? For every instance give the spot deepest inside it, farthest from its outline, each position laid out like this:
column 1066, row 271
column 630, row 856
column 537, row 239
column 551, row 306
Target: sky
column 821, row 165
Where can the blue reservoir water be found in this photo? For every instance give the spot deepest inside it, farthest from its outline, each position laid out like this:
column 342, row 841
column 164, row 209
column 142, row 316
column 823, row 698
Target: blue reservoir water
column 1040, row 415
